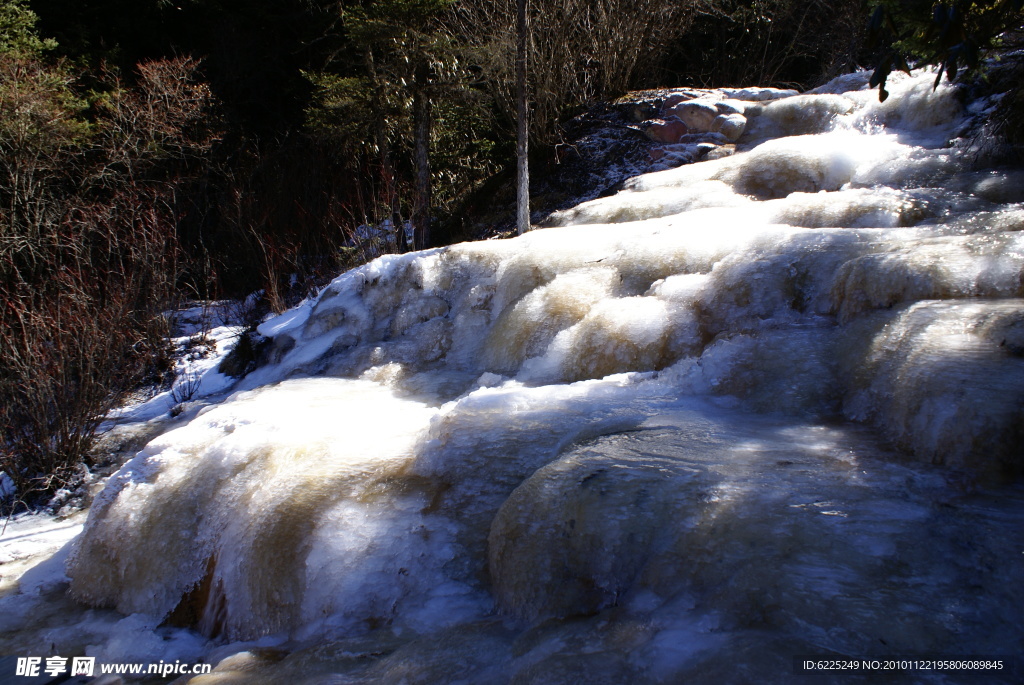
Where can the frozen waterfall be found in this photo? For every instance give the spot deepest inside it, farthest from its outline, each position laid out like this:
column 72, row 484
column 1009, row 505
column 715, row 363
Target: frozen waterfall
column 749, row 408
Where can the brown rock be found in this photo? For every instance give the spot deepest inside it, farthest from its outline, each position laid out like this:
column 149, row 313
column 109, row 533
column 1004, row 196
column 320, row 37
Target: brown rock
column 668, row 130
column 720, row 151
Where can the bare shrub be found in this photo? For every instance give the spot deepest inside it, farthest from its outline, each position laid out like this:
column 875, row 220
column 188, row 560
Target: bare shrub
column 88, row 253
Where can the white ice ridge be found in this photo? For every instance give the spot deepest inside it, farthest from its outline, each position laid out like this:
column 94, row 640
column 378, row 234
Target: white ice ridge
column 423, row 422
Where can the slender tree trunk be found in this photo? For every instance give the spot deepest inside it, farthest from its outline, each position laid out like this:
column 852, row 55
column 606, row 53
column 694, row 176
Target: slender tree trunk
column 421, row 156
column 522, row 123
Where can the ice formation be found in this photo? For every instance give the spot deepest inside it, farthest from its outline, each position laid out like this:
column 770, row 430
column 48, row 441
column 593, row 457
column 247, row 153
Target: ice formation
column 689, row 429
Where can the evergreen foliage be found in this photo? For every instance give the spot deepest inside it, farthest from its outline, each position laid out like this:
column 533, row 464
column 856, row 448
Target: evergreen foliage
column 401, row 52
column 18, row 35
column 951, row 36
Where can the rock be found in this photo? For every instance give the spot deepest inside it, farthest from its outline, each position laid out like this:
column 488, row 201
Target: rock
column 639, row 111
column 704, row 149
column 751, row 111
column 7, row 488
column 759, row 94
column 698, row 115
column 668, row 130
column 720, row 151
column 575, row 536
column 707, row 151
column 730, row 125
column 674, row 99
column 730, row 107
column 709, row 137
column 680, row 96
column 671, row 156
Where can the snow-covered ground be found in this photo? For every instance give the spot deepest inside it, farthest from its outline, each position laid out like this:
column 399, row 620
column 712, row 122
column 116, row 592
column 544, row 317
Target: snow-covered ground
column 205, row 334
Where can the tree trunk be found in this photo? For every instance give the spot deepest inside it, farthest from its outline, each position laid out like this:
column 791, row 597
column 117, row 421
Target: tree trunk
column 522, row 123
column 421, row 156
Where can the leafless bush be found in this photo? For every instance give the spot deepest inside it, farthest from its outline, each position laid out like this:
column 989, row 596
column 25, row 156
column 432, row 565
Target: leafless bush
column 65, row 361
column 88, row 255
column 186, row 387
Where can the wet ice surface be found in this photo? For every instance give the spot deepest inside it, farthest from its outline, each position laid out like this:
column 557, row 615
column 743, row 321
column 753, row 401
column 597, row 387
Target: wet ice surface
column 757, row 407
column 702, row 543
column 808, row 529
column 604, row 526
column 723, row 533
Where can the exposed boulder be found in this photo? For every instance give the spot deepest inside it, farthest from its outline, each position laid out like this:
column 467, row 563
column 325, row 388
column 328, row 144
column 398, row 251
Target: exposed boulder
column 731, row 107
column 668, row 130
column 698, row 115
column 676, row 97
column 730, row 125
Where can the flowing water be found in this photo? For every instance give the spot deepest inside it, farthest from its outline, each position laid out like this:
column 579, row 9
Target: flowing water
column 748, row 409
